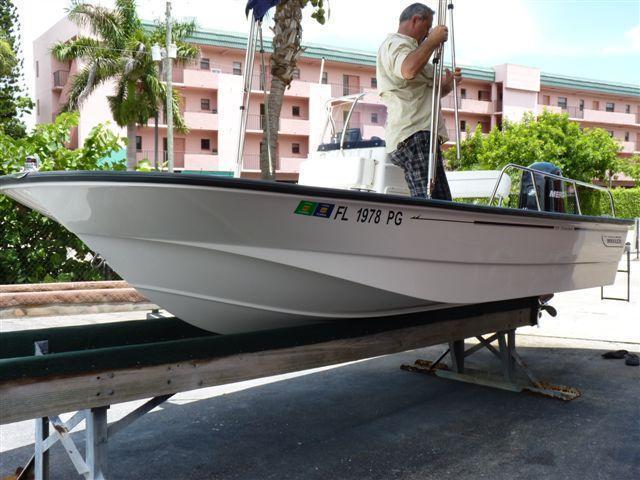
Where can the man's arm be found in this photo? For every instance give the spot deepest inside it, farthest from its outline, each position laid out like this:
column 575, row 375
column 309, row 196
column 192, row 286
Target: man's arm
column 447, row 81
column 416, row 60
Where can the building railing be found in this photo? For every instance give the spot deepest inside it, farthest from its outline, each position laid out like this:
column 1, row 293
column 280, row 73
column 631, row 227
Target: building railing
column 251, row 161
column 573, row 111
column 178, row 157
column 60, row 78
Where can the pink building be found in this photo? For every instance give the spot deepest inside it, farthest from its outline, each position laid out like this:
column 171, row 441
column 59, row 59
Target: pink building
column 211, row 90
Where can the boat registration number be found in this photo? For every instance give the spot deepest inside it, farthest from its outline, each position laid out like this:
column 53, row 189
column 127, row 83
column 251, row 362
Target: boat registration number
column 343, row 213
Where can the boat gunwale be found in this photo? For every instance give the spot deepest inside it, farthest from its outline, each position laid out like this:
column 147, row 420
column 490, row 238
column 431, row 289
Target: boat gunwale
column 163, row 178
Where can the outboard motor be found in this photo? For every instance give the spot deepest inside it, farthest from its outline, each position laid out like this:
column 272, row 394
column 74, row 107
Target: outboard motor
column 551, row 191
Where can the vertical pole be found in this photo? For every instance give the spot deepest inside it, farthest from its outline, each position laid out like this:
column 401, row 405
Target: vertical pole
column 244, row 107
column 155, row 142
column 455, row 82
column 41, row 460
column 435, row 105
column 321, row 70
column 456, row 348
column 96, row 442
column 169, row 71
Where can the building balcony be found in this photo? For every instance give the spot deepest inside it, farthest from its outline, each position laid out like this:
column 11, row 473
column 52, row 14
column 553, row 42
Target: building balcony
column 629, row 147
column 190, row 160
column 549, row 108
column 201, row 119
column 60, row 79
column 288, row 125
column 298, row 88
column 251, row 162
column 197, row 78
column 601, row 116
column 468, row 105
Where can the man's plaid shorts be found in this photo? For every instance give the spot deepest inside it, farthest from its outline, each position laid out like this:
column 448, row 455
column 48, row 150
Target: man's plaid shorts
column 412, row 155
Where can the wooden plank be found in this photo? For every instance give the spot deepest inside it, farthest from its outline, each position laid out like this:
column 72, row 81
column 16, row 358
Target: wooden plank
column 22, row 400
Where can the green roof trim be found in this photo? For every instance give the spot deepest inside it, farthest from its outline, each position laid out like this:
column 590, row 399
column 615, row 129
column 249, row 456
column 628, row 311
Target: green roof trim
column 220, row 38
column 600, row 86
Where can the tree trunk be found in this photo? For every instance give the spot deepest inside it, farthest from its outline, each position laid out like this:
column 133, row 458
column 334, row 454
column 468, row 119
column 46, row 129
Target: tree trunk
column 271, row 127
column 286, row 50
column 131, row 146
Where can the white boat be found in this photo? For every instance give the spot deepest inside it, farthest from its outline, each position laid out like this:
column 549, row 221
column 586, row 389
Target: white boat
column 232, row 255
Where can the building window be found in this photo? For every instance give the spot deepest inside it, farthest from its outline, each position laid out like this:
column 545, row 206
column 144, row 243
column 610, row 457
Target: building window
column 626, row 136
column 138, row 143
column 37, row 69
column 296, row 74
column 237, row 68
column 463, row 93
column 374, row 82
column 350, row 84
column 627, row 109
column 295, row 111
column 38, row 107
column 581, row 105
column 610, row 107
column 325, row 78
column 205, row 104
column 463, row 125
column 295, row 148
column 205, row 144
column 204, row 64
column 562, row 102
column 374, row 117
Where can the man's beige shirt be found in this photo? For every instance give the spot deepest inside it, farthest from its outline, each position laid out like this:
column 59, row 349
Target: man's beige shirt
column 408, row 101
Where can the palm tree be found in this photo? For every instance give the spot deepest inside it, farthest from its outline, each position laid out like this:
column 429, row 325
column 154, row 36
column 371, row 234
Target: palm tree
column 121, row 52
column 286, row 51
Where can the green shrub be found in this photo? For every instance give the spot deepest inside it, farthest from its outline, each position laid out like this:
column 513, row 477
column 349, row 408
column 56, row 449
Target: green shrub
column 34, row 248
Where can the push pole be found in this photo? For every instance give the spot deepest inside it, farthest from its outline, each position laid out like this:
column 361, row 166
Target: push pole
column 438, row 63
column 249, row 60
column 455, row 82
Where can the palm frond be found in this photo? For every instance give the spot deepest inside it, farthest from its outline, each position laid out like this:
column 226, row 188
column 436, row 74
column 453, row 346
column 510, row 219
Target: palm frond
column 82, row 47
column 101, row 21
column 86, row 81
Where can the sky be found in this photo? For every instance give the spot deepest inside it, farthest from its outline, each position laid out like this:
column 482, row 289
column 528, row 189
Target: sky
column 597, row 39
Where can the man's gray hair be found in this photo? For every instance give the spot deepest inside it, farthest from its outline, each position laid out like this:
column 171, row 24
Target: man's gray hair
column 415, row 9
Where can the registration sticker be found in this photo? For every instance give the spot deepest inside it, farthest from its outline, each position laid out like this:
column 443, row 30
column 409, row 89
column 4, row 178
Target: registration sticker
column 306, row 208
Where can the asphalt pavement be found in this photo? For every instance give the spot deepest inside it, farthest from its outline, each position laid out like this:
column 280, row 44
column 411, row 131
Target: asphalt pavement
column 372, row 420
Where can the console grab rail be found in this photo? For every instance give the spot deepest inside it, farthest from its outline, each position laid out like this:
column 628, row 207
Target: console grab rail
column 533, row 172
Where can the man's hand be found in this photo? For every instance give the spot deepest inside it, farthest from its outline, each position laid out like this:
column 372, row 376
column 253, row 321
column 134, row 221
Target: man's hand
column 447, row 81
column 416, row 60
column 438, row 35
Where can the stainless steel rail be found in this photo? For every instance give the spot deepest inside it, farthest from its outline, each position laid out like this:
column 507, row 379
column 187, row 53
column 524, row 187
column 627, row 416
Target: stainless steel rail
column 534, row 172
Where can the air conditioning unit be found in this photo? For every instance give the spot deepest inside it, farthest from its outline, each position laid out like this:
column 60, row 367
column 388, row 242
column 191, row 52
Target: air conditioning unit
column 216, row 70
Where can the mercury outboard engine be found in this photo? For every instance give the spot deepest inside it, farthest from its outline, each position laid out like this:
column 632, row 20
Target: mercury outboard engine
column 551, row 191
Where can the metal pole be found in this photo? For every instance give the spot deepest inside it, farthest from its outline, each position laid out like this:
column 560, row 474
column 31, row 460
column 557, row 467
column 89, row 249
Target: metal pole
column 321, row 70
column 455, row 82
column 435, row 104
column 169, row 70
column 244, row 108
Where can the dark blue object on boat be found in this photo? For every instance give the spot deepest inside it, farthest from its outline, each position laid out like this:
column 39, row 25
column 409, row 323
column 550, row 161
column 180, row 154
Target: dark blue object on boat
column 260, row 7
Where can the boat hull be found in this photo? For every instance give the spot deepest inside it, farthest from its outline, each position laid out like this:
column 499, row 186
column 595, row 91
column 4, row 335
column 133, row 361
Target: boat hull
column 241, row 256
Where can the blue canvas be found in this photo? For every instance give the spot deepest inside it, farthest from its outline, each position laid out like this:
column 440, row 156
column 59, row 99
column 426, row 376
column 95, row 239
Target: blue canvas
column 260, row 7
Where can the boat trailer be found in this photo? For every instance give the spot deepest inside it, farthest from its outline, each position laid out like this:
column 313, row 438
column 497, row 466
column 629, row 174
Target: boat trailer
column 85, row 369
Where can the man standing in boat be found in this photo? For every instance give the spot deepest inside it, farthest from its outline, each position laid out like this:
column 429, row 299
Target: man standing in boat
column 405, row 79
